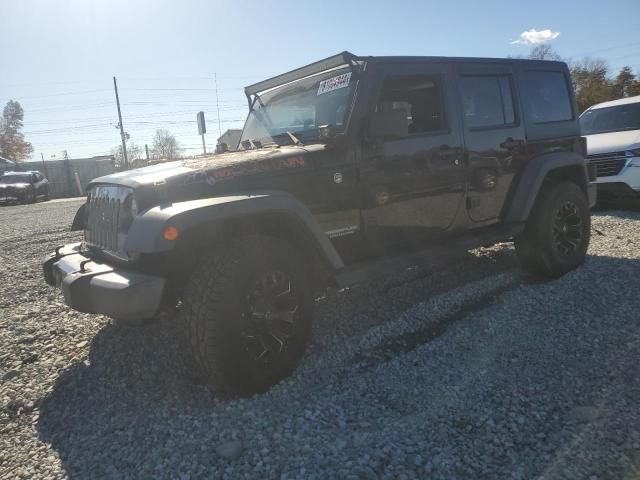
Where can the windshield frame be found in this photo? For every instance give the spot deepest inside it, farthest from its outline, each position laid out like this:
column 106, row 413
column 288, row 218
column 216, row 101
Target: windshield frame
column 592, row 111
column 255, row 98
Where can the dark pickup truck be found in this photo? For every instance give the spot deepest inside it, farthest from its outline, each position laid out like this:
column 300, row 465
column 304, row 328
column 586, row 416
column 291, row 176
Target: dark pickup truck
column 344, row 165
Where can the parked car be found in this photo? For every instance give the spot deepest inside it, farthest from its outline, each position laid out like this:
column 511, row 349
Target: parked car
column 348, row 168
column 23, row 187
column 612, row 130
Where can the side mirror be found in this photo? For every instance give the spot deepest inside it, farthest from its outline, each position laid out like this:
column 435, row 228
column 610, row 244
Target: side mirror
column 389, row 124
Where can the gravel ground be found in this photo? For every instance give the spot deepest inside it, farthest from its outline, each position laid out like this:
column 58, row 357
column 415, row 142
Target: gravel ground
column 472, row 372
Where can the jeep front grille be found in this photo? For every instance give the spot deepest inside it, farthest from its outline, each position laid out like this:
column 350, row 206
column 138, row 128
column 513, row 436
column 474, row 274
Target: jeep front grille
column 608, row 164
column 107, row 207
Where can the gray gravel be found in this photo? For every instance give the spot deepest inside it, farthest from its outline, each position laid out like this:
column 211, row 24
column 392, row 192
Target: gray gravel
column 470, row 372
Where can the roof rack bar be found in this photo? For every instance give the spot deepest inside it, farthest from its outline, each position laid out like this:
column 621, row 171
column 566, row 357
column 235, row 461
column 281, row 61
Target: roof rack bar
column 344, row 58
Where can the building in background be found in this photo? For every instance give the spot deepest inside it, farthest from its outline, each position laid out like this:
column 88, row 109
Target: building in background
column 230, row 138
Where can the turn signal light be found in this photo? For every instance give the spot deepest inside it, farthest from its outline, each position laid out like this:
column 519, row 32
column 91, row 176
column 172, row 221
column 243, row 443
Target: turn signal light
column 170, row 233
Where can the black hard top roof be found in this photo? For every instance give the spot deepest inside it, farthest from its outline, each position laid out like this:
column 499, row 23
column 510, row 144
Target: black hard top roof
column 347, row 58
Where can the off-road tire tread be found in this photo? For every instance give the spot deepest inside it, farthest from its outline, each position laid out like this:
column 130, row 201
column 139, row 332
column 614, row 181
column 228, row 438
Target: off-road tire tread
column 207, row 288
column 533, row 251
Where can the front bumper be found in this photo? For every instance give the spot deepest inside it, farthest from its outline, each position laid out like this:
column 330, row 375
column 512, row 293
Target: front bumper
column 91, row 286
column 617, row 191
column 11, row 198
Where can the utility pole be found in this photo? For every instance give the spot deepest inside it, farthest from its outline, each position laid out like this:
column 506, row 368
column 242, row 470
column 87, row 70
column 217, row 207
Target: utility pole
column 124, row 142
column 67, row 164
column 44, row 167
column 146, row 151
column 215, row 80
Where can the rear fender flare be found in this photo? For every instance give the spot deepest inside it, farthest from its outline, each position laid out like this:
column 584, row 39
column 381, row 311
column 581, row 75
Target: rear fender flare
column 532, row 177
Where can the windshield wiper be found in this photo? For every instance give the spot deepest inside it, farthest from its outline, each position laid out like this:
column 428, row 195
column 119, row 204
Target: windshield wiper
column 295, row 140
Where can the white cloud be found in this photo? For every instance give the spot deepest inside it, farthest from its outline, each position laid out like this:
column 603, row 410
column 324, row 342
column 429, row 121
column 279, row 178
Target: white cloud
column 533, row 36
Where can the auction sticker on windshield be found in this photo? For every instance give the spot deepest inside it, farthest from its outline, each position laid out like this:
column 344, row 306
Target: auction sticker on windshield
column 334, row 83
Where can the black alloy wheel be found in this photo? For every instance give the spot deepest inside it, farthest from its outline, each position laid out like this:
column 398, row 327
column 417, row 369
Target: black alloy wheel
column 273, row 307
column 567, row 229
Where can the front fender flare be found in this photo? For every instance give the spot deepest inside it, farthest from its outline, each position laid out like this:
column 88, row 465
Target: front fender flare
column 146, row 232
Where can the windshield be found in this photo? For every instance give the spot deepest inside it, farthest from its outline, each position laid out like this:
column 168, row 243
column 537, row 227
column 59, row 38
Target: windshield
column 300, row 108
column 611, row 119
column 10, row 179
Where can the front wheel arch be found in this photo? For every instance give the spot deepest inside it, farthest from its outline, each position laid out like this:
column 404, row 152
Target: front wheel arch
column 198, row 240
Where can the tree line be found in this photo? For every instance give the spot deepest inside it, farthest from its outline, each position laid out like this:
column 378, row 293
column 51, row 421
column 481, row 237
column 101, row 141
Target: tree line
column 164, row 146
column 592, row 81
column 592, row 78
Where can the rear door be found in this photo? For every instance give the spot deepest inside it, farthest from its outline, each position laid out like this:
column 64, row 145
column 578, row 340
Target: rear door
column 494, row 135
column 412, row 187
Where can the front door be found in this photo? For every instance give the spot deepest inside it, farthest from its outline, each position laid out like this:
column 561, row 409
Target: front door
column 412, row 188
column 494, row 136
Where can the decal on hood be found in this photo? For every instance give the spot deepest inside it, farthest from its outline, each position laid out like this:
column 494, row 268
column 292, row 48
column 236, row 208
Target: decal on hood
column 251, row 168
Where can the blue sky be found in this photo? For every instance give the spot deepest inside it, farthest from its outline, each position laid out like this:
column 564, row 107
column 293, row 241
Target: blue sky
column 58, row 57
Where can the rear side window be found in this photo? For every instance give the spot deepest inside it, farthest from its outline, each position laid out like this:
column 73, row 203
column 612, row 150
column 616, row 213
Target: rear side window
column 487, row 101
column 548, row 96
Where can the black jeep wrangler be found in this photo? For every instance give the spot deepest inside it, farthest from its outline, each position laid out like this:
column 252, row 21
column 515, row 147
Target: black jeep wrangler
column 346, row 167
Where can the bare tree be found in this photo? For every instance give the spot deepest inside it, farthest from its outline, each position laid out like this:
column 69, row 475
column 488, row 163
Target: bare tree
column 544, row 51
column 165, row 145
column 12, row 142
column 134, row 152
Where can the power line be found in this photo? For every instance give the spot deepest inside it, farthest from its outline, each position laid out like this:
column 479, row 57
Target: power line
column 609, row 48
column 60, row 94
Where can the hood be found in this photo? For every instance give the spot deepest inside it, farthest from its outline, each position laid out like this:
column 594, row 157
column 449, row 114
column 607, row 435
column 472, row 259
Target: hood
column 17, row 186
column 216, row 168
column 612, row 142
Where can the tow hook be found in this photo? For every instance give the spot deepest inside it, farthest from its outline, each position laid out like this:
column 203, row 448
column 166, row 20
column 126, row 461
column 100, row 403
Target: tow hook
column 82, row 264
column 57, row 252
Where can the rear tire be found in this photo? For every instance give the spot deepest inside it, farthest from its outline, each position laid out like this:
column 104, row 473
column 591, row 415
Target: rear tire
column 556, row 237
column 247, row 311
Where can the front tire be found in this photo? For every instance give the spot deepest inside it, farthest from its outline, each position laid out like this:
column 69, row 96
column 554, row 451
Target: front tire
column 556, row 237
column 247, row 311
column 29, row 197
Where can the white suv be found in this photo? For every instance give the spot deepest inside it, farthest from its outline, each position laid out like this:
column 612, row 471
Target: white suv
column 612, row 130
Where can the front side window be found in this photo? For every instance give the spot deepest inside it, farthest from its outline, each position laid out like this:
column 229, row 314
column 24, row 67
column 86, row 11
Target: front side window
column 300, row 107
column 548, row 96
column 421, row 98
column 487, row 101
column 611, row 119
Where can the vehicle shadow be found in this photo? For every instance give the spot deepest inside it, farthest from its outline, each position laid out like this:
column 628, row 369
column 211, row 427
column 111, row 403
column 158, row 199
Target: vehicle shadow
column 114, row 401
column 631, row 205
column 135, row 405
